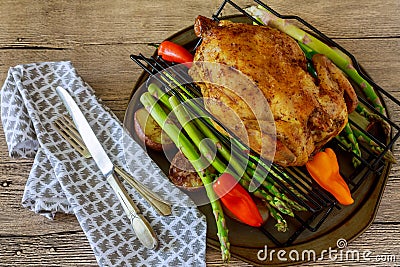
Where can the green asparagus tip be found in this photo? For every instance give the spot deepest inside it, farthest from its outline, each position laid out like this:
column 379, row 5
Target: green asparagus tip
column 225, row 248
column 281, row 227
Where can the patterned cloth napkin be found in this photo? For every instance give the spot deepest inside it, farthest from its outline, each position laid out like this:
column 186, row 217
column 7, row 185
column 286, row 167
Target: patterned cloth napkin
column 63, row 181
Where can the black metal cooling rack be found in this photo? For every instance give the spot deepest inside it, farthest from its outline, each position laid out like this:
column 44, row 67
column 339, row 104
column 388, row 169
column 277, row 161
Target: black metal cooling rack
column 319, row 204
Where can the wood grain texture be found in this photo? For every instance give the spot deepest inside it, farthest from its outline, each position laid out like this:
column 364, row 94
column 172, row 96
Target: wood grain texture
column 98, row 37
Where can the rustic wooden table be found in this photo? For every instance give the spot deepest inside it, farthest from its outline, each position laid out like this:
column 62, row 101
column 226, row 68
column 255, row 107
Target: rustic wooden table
column 98, row 37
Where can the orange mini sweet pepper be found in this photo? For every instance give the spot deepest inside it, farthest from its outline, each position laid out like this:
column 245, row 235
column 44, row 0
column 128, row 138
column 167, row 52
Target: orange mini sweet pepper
column 324, row 169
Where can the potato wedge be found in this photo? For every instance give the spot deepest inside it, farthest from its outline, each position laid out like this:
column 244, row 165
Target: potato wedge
column 149, row 132
column 182, row 173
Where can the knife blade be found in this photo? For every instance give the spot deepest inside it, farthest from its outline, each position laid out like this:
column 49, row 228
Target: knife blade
column 140, row 225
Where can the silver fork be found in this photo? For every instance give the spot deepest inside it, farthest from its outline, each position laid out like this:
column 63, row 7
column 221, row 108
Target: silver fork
column 66, row 128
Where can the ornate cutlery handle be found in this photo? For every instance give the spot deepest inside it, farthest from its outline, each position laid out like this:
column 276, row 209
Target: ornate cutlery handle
column 161, row 206
column 140, row 225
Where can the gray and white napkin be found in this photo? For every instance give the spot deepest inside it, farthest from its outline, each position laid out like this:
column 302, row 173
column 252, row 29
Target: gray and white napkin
column 63, row 181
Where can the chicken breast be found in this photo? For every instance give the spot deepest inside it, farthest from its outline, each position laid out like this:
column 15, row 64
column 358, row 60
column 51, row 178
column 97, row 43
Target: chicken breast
column 306, row 113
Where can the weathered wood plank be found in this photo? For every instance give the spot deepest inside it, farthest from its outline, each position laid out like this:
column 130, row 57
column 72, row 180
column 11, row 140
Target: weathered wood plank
column 374, row 243
column 346, row 19
column 62, row 249
column 108, row 69
column 72, row 249
column 69, row 23
column 98, row 37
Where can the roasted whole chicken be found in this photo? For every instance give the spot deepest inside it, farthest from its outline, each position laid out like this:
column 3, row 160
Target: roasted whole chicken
column 307, row 112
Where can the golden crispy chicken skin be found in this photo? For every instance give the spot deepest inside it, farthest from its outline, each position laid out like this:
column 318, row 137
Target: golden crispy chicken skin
column 307, row 112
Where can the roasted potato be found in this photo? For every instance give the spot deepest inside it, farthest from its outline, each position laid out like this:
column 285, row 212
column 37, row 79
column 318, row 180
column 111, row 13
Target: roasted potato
column 182, row 173
column 149, row 132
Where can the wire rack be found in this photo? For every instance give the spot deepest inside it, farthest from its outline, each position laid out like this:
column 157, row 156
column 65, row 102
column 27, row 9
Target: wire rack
column 319, row 204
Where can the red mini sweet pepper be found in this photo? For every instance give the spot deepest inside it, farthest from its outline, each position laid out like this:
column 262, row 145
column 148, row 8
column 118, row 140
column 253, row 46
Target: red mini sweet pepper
column 237, row 200
column 324, row 169
column 173, row 52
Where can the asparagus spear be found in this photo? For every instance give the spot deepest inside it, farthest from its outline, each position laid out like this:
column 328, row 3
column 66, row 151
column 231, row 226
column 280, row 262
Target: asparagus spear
column 269, row 185
column 371, row 117
column 192, row 131
column 281, row 224
column 309, row 53
column 268, row 169
column 278, row 176
column 344, row 142
column 190, row 151
column 315, row 44
column 159, row 94
column 354, row 144
column 222, row 230
column 373, row 145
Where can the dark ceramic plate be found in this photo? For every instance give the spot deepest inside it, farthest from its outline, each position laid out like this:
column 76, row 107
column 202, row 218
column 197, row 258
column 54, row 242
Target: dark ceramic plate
column 249, row 243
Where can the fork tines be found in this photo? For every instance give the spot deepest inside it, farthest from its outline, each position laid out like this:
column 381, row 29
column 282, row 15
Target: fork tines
column 65, row 127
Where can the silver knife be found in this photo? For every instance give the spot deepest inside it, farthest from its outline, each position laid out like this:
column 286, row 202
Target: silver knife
column 140, row 225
